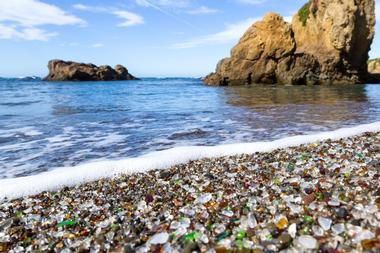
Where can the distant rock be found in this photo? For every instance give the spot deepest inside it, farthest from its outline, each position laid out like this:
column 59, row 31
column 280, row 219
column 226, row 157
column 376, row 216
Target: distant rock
column 374, row 66
column 72, row 71
column 30, row 78
column 327, row 43
column 374, row 70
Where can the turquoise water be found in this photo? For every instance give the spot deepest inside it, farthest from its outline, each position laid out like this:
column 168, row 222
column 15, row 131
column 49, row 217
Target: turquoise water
column 48, row 125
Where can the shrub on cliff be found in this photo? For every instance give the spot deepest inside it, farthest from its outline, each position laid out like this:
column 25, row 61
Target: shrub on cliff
column 304, row 13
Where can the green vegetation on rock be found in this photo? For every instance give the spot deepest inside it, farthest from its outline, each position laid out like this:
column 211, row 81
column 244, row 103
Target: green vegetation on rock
column 304, row 12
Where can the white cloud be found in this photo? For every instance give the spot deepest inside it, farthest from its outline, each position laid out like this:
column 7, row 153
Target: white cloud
column 288, row 19
column 202, row 10
column 34, row 13
column 143, row 3
column 97, row 45
column 8, row 32
column 252, row 1
column 130, row 19
column 83, row 7
column 20, row 19
column 231, row 33
column 28, row 33
column 164, row 3
column 36, row 34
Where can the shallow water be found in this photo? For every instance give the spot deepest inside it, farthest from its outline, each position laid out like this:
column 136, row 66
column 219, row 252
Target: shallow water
column 48, row 125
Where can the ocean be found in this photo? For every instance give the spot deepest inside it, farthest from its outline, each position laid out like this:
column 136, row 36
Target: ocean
column 50, row 125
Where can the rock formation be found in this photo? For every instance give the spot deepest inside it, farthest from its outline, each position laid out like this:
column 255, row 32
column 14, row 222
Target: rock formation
column 71, row 71
column 374, row 66
column 374, row 71
column 327, row 43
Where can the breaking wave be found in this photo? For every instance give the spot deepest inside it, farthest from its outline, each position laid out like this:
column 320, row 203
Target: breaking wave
column 70, row 176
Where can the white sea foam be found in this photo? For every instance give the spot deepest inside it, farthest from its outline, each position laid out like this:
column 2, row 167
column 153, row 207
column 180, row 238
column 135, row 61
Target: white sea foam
column 28, row 131
column 110, row 139
column 70, row 176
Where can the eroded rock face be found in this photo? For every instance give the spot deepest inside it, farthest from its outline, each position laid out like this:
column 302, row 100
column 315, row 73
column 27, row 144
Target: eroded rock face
column 374, row 71
column 374, row 66
column 327, row 42
column 72, row 71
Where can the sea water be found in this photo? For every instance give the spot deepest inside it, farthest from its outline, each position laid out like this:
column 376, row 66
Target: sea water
column 49, row 125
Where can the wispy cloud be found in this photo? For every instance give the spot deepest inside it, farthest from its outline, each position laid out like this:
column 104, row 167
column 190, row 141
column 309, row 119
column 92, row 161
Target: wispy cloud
column 159, row 5
column 202, row 10
column 164, row 3
column 129, row 18
column 231, row 33
column 97, row 45
column 27, row 33
column 251, row 1
column 81, row 7
column 84, row 7
column 23, row 19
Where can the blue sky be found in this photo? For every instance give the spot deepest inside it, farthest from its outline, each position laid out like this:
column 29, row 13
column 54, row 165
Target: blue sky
column 150, row 37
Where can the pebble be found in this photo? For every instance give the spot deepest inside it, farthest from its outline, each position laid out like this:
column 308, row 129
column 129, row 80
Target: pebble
column 305, row 242
column 322, row 197
column 338, row 228
column 252, row 222
column 333, row 203
column 342, row 212
column 160, row 238
column 203, row 199
column 228, row 213
column 318, row 231
column 292, row 230
column 325, row 223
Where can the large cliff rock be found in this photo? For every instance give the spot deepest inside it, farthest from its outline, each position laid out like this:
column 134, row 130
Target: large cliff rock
column 327, row 42
column 72, row 71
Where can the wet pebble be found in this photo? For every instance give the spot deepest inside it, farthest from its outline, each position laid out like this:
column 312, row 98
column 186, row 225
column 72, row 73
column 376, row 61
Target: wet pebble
column 323, row 197
column 160, row 238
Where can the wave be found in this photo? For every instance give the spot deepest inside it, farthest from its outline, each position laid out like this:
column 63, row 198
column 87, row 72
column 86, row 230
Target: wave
column 22, row 78
column 23, row 103
column 71, row 176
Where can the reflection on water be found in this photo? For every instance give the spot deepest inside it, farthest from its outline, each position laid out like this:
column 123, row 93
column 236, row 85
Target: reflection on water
column 48, row 125
column 256, row 96
column 314, row 104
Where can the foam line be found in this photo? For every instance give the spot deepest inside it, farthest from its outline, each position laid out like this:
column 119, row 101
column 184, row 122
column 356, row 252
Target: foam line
column 70, row 176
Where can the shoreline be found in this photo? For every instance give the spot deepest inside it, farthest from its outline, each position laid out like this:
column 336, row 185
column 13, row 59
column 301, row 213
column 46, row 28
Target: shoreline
column 90, row 172
column 320, row 196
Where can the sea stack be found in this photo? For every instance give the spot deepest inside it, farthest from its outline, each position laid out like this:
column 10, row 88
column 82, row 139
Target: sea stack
column 327, row 42
column 72, row 71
